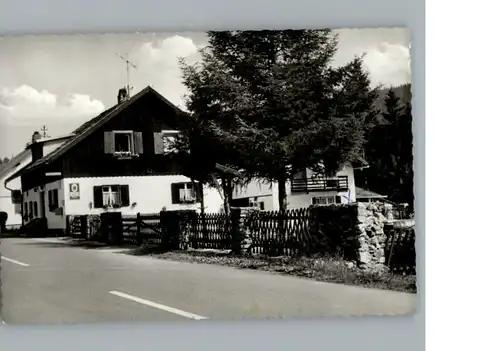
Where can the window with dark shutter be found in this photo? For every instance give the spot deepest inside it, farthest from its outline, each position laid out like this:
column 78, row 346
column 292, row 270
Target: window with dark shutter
column 98, row 203
column 138, row 144
column 158, row 143
column 55, row 198
column 35, row 209
column 124, row 195
column 51, row 202
column 109, row 143
column 175, row 188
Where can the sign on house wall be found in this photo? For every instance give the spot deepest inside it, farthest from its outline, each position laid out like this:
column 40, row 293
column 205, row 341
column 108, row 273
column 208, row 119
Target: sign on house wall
column 74, row 191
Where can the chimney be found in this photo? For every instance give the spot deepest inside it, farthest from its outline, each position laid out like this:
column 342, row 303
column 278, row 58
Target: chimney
column 122, row 95
column 36, row 147
column 36, row 136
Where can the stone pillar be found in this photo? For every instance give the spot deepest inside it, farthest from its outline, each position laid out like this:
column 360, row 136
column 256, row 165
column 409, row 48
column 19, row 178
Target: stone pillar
column 370, row 235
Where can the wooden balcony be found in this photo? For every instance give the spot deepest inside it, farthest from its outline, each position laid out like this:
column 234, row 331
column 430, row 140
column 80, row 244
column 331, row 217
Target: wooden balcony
column 306, row 185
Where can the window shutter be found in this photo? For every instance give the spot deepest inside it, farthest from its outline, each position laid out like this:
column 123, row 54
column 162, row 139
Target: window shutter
column 109, row 142
column 55, row 198
column 124, row 195
column 198, row 188
column 138, row 144
column 98, row 197
column 158, row 143
column 175, row 187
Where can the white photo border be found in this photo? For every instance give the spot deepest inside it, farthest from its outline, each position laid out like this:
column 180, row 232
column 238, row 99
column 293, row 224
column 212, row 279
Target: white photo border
column 93, row 16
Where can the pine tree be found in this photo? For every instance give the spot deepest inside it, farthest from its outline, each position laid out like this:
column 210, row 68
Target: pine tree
column 269, row 100
column 389, row 151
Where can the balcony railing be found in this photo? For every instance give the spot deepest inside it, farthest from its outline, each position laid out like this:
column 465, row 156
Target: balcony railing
column 306, row 185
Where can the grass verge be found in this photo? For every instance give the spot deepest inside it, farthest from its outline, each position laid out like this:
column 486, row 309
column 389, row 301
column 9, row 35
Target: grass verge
column 327, row 269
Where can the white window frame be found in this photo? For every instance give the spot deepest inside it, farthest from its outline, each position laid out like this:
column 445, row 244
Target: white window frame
column 328, row 200
column 169, row 136
column 110, row 193
column 130, row 134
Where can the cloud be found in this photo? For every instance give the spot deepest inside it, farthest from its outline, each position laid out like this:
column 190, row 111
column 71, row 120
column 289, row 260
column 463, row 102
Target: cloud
column 165, row 53
column 25, row 105
column 388, row 64
column 158, row 65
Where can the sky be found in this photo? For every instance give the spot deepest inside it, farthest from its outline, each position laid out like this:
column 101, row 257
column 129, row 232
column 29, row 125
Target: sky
column 62, row 81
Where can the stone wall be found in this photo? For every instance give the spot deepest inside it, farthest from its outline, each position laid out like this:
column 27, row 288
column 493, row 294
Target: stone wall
column 356, row 231
column 370, row 234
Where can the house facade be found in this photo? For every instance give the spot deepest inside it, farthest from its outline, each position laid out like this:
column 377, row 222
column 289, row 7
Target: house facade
column 9, row 202
column 122, row 160
column 306, row 188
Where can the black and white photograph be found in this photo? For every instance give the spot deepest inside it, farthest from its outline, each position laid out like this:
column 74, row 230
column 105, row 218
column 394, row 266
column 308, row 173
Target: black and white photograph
column 220, row 175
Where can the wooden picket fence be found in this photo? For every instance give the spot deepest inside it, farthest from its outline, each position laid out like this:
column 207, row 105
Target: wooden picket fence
column 272, row 233
column 277, row 232
column 400, row 249
column 209, row 231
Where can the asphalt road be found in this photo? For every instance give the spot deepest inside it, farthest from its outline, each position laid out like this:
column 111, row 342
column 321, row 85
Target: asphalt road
column 48, row 282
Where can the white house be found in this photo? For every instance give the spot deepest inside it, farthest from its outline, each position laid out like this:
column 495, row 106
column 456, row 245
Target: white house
column 306, row 188
column 122, row 160
column 8, row 201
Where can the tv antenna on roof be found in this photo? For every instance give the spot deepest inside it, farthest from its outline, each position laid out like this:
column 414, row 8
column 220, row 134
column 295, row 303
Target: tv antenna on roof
column 128, row 64
column 44, row 131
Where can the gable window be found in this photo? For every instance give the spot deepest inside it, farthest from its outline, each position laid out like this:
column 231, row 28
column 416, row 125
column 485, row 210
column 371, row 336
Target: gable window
column 111, row 196
column 123, row 143
column 185, row 192
column 165, row 141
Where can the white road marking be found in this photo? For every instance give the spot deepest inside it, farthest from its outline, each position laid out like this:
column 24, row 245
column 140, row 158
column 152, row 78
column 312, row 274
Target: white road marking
column 50, row 240
column 14, row 261
column 158, row 306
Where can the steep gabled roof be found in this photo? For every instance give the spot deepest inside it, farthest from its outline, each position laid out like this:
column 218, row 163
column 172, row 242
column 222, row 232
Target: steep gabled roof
column 90, row 126
column 8, row 167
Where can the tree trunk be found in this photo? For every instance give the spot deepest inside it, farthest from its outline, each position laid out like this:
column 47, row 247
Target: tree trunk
column 228, row 194
column 282, row 198
column 202, row 209
column 222, row 189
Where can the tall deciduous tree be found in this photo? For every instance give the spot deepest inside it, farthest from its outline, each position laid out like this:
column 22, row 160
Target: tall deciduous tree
column 271, row 102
